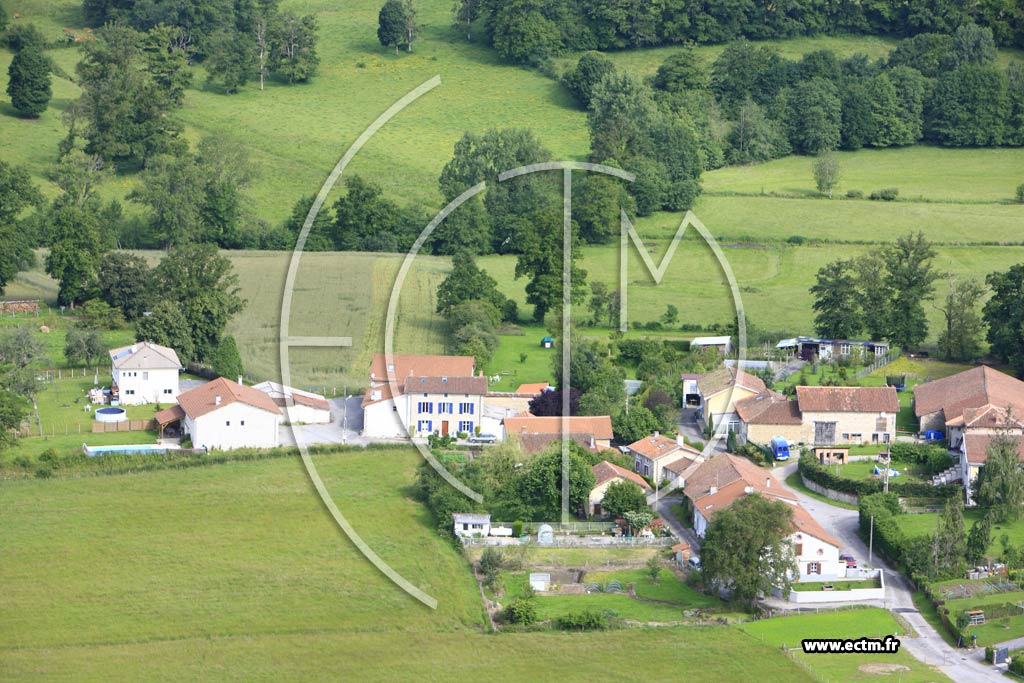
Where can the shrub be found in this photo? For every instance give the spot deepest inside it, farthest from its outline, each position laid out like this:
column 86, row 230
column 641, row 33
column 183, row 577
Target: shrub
column 521, row 611
column 855, row 194
column 587, row 620
column 462, row 435
column 44, row 473
column 1020, row 193
column 796, row 239
column 490, row 562
column 517, row 529
column 886, row 194
column 1017, row 665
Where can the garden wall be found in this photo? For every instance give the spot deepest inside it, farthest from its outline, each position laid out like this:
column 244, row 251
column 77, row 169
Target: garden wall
column 849, row 498
column 126, row 426
column 854, row 595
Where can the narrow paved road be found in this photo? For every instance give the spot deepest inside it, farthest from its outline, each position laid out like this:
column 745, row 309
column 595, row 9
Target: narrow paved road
column 929, row 647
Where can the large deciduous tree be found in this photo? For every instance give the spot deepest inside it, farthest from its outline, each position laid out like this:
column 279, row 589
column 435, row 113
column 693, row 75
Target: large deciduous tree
column 591, row 68
column 623, row 496
column 203, row 285
column 747, row 549
column 122, row 113
column 912, row 276
column 391, row 24
column 961, row 338
column 836, row 305
column 1004, row 315
column 1000, row 484
column 28, row 82
column 17, row 193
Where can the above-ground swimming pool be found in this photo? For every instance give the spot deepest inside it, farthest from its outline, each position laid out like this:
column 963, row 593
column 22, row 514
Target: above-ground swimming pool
column 111, row 415
column 92, row 451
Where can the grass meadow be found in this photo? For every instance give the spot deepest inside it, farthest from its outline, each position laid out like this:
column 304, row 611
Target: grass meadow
column 855, row 623
column 236, row 572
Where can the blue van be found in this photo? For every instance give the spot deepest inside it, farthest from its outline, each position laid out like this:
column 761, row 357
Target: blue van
column 780, row 448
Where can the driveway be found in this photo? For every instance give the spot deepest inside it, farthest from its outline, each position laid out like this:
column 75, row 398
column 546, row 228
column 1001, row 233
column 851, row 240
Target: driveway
column 929, row 647
column 346, row 423
column 663, row 508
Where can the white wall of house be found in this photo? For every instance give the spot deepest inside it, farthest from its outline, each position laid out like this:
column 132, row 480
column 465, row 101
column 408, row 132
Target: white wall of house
column 428, row 413
column 817, row 559
column 137, row 387
column 470, row 529
column 234, row 425
column 300, row 414
column 385, row 419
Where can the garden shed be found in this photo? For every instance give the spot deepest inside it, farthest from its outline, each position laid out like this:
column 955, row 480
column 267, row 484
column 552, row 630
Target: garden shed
column 547, row 343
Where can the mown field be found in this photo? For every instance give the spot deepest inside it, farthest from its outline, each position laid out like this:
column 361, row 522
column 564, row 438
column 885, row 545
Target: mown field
column 857, row 623
column 347, row 294
column 235, row 572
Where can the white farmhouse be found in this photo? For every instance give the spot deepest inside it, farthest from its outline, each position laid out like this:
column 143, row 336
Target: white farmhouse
column 223, row 415
column 390, row 411
column 300, row 407
column 726, row 478
column 144, row 373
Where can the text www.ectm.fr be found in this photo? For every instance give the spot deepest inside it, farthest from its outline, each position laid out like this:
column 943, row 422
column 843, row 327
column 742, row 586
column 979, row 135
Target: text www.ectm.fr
column 889, row 645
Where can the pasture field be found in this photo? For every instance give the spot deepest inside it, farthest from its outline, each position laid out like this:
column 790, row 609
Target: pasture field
column 920, row 172
column 855, row 623
column 236, row 572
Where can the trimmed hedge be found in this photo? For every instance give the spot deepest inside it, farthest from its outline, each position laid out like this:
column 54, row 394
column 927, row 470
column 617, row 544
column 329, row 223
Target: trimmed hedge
column 1017, row 666
column 813, row 471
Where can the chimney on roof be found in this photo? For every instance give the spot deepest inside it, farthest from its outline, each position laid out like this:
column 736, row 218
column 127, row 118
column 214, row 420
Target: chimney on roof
column 713, row 490
column 680, row 441
column 656, row 434
column 216, row 400
column 767, row 482
column 748, row 490
column 240, row 380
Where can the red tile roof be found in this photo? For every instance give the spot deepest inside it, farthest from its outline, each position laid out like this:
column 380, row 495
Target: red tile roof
column 769, row 409
column 532, row 389
column 725, row 468
column 446, row 385
column 598, row 426
column 169, row 415
column 976, row 446
column 655, row 446
column 969, row 389
column 203, row 399
column 413, row 365
column 847, row 399
column 723, row 378
column 804, row 523
column 605, row 471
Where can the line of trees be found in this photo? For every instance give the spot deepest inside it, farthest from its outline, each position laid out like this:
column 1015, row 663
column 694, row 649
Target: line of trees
column 237, row 40
column 531, row 31
column 884, row 292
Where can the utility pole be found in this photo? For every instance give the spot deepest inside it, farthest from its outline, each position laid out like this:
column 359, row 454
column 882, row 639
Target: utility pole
column 871, row 540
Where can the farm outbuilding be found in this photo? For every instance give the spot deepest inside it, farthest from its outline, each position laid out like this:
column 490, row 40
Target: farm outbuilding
column 547, row 343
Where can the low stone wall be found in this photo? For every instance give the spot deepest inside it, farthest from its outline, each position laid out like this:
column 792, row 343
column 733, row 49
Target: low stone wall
column 19, row 306
column 849, row 498
column 855, row 595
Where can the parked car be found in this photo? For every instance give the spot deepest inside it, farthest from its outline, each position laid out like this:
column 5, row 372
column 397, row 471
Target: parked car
column 851, row 561
column 694, row 562
column 780, row 448
column 483, row 438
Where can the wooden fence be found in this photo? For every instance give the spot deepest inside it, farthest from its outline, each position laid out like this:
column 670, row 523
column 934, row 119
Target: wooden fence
column 125, row 426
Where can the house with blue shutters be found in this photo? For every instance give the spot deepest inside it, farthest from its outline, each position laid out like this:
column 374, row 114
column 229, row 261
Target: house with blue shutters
column 417, row 395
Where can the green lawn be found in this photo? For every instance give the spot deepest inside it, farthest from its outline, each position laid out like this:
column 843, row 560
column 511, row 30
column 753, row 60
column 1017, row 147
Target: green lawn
column 31, row 447
column 863, row 469
column 235, row 572
column 536, row 367
column 668, row 587
column 925, row 524
column 869, row 622
column 836, row 585
column 550, row 607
